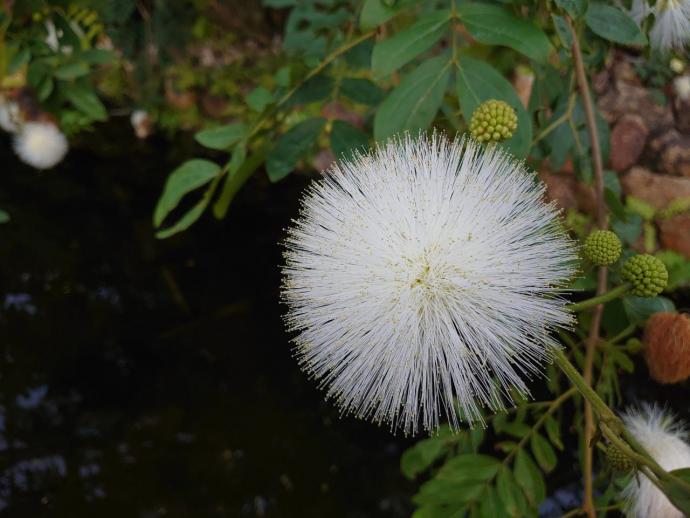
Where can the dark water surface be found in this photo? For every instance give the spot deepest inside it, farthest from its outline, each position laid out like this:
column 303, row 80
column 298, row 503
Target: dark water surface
column 142, row 378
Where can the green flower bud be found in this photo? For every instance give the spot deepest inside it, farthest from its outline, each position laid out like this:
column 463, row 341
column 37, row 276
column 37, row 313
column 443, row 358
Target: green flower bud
column 617, row 459
column 493, row 121
column 646, row 273
column 603, row 247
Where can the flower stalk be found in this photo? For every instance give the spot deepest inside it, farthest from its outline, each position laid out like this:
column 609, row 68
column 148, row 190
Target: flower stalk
column 614, row 430
column 608, row 296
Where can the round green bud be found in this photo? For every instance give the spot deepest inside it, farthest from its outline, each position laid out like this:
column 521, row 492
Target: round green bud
column 493, row 121
column 603, row 247
column 617, row 459
column 646, row 273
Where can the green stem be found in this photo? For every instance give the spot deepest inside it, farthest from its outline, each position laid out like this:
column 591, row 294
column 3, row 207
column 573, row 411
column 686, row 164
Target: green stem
column 312, row 73
column 600, row 299
column 612, row 427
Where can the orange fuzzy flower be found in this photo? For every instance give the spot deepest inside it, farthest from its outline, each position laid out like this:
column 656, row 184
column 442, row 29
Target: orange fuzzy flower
column 667, row 347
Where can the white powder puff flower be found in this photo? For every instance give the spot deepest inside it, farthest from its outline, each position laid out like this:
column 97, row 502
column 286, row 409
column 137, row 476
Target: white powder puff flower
column 423, row 279
column 672, row 24
column 664, row 439
column 40, row 144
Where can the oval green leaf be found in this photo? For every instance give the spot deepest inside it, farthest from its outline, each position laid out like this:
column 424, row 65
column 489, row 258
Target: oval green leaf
column 414, row 103
column 345, row 139
column 613, row 24
column 291, row 147
column 222, row 137
column 189, row 176
column 494, row 25
column 394, row 52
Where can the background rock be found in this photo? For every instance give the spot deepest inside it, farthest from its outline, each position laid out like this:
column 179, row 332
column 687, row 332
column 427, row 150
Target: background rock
column 628, row 139
column 656, row 189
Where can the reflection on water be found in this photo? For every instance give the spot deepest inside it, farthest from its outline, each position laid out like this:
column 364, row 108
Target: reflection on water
column 143, row 378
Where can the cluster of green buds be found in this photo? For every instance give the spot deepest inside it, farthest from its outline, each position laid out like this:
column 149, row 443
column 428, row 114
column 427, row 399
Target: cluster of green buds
column 618, row 460
column 493, row 121
column 647, row 274
column 602, row 247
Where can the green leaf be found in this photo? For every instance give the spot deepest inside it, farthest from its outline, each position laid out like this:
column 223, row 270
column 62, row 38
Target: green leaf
column 494, row 25
column 438, row 492
column 414, row 103
column 614, row 204
column 478, row 82
column 345, row 139
column 20, row 59
column 394, row 52
column 291, row 147
column 189, row 176
column 470, row 467
column 221, row 138
column 529, row 478
column 376, row 12
column 282, row 76
column 259, row 98
column 315, row 89
column 641, row 207
column 421, row 456
column 679, row 494
column 86, row 101
column 629, row 230
column 238, row 174
column 186, row 220
column 491, row 505
column 553, row 430
column 575, row 8
column 543, row 452
column 678, row 268
column 518, row 430
column 361, row 90
column 562, row 30
column 613, row 24
column 622, row 360
column 72, row 70
column 45, row 88
column 510, row 493
column 639, row 309
column 612, row 182
column 4, row 216
column 97, row 56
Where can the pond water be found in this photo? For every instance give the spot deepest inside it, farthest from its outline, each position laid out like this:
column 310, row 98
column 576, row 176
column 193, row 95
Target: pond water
column 146, row 378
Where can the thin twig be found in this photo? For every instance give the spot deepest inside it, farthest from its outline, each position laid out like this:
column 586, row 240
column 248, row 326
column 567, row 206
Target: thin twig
column 602, row 222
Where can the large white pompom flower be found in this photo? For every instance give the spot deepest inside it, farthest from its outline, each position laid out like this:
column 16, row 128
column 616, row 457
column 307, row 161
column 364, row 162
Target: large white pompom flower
column 664, row 439
column 424, row 275
column 671, row 25
column 40, row 144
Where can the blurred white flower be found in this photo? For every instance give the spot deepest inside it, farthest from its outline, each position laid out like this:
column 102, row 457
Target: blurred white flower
column 664, row 439
column 423, row 279
column 681, row 84
column 10, row 115
column 141, row 123
column 671, row 27
column 639, row 10
column 40, row 144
